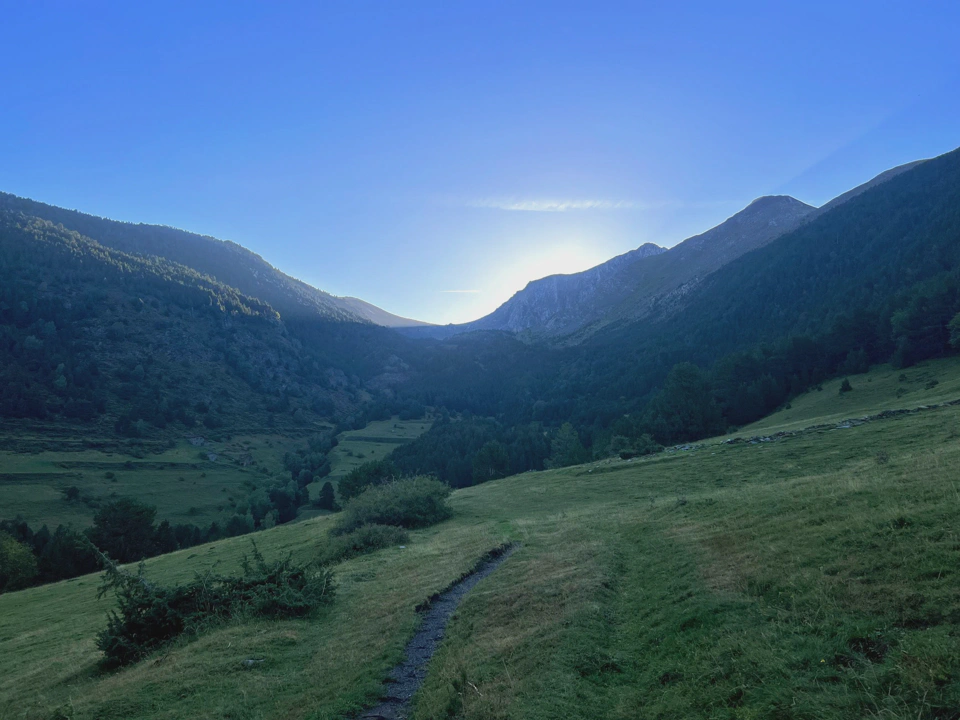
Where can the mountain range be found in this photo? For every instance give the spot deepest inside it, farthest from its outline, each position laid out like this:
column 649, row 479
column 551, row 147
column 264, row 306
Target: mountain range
column 224, row 261
column 648, row 280
column 150, row 330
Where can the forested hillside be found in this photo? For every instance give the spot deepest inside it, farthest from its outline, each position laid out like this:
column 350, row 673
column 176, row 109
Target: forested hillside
column 873, row 279
column 148, row 346
column 229, row 263
column 91, row 334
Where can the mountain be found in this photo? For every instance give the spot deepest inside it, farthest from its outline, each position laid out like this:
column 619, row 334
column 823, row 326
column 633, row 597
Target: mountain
column 669, row 276
column 626, row 286
column 377, row 316
column 850, row 194
column 142, row 346
column 560, row 304
column 227, row 262
column 650, row 280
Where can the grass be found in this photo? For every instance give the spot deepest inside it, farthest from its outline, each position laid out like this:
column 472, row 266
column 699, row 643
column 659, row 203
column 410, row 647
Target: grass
column 183, row 482
column 374, row 442
column 812, row 577
column 933, row 381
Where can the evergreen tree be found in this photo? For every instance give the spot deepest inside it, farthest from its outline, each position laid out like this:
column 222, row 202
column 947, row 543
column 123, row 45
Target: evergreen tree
column 124, row 530
column 327, row 500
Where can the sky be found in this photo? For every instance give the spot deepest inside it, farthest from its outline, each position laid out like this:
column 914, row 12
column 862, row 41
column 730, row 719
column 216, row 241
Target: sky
column 434, row 157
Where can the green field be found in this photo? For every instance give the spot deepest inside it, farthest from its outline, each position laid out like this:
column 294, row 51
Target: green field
column 883, row 388
column 187, row 483
column 374, row 442
column 810, row 577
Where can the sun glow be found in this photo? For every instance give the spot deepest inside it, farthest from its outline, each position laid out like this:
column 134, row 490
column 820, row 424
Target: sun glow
column 561, row 259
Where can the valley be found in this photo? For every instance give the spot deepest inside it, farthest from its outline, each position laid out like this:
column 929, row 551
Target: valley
column 673, row 585
column 480, row 361
column 727, row 470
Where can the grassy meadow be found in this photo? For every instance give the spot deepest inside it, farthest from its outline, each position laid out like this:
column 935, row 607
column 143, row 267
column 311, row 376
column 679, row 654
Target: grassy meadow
column 810, row 577
column 187, row 483
column 374, row 442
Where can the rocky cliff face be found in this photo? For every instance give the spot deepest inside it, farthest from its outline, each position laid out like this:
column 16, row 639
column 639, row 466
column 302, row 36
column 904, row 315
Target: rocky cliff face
column 559, row 304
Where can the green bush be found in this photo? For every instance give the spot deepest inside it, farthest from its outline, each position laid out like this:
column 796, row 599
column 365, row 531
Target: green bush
column 365, row 539
column 150, row 616
column 644, row 445
column 376, row 472
column 18, row 566
column 409, row 503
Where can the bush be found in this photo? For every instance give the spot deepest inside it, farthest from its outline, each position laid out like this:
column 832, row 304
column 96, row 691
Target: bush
column 365, row 539
column 409, row 503
column 376, row 472
column 18, row 566
column 845, row 386
column 644, row 445
column 151, row 616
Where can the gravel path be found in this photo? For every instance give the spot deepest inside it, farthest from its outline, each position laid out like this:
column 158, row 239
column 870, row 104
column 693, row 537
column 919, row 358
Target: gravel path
column 407, row 677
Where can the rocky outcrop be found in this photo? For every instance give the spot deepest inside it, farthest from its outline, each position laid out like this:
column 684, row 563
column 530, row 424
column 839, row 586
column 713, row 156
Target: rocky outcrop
column 560, row 304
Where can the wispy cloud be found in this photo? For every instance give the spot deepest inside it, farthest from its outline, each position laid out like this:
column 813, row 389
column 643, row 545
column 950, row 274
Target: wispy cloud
column 554, row 205
column 469, row 292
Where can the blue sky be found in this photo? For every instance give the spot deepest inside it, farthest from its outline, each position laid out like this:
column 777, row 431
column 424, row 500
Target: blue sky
column 432, row 158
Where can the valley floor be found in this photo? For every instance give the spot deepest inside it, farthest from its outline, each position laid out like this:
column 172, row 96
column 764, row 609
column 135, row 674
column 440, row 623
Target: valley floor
column 810, row 577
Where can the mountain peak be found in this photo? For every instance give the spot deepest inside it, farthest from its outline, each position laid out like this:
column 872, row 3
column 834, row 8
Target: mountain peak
column 776, row 204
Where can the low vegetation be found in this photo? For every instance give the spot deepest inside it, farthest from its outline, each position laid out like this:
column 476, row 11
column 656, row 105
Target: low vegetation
column 151, row 616
column 365, row 539
column 797, row 578
column 407, row 503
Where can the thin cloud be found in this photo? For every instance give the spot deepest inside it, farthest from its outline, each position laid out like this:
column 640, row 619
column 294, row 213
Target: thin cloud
column 470, row 292
column 554, row 205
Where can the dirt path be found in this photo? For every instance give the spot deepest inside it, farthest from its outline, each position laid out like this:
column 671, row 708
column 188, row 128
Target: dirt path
column 407, row 677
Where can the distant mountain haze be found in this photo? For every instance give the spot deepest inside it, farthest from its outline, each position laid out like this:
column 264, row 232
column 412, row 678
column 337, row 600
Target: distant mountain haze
column 560, row 304
column 649, row 281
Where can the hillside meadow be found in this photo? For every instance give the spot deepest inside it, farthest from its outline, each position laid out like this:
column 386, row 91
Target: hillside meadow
column 809, row 577
column 186, row 482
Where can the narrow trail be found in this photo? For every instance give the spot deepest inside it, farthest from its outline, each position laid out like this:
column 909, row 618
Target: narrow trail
column 407, row 677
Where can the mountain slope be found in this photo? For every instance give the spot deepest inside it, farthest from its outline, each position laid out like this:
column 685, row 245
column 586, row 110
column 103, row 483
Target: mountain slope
column 674, row 273
column 803, row 578
column 560, row 304
column 135, row 344
column 377, row 316
column 625, row 289
column 225, row 261
column 625, row 286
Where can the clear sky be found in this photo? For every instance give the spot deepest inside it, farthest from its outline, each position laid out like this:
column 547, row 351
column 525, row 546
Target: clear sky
column 432, row 158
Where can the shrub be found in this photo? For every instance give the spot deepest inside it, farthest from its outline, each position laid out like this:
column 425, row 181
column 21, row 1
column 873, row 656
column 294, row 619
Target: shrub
column 409, row 503
column 365, row 539
column 375, row 472
column 644, row 445
column 18, row 566
column 151, row 616
column 845, row 386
